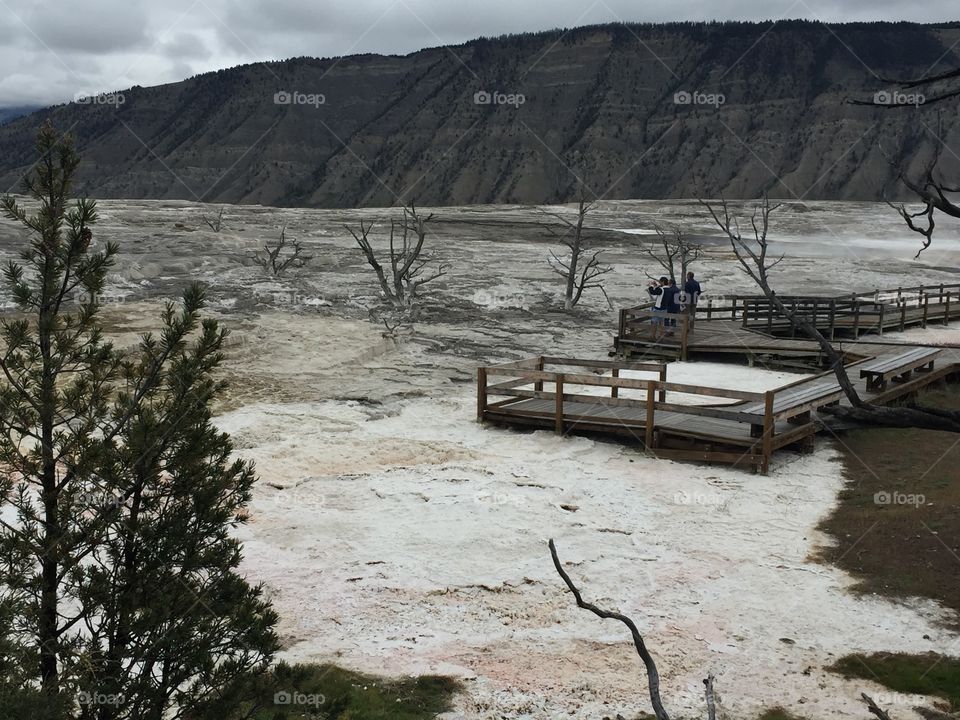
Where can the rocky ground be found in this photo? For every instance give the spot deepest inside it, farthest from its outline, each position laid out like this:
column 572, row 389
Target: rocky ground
column 396, row 535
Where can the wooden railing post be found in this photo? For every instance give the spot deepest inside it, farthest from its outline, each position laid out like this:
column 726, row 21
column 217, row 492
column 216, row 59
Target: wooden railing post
column 946, row 310
column 709, row 308
column 538, row 385
column 481, row 393
column 558, row 424
column 833, row 318
column 883, row 308
column 856, row 320
column 663, row 379
column 746, row 310
column 651, row 415
column 614, row 390
column 903, row 315
column 768, row 430
column 926, row 307
column 684, row 335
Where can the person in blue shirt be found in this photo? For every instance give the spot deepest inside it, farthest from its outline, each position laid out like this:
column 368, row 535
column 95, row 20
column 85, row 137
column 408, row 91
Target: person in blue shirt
column 674, row 304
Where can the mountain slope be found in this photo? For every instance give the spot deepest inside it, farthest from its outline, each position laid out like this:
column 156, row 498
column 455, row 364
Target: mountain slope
column 600, row 104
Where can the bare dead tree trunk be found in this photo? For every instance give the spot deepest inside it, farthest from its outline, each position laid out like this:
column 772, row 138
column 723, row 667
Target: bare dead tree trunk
column 874, row 708
column 676, row 248
column 711, row 700
column 216, row 223
column 579, row 271
column 653, row 676
column 752, row 253
column 403, row 277
column 281, row 255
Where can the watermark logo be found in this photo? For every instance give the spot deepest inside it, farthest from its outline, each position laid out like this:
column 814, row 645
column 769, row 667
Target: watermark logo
column 898, row 498
column 697, row 498
column 114, row 99
column 99, row 499
column 287, row 697
column 486, row 97
column 685, row 97
column 499, row 299
column 294, row 97
column 88, row 699
column 299, row 498
column 496, row 498
column 895, row 97
column 84, row 297
column 893, row 699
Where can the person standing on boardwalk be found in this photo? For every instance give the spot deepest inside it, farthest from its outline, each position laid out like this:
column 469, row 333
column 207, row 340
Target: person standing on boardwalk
column 658, row 293
column 692, row 292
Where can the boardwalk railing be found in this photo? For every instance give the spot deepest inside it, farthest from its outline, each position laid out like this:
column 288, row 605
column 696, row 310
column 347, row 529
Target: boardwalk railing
column 643, row 322
column 533, row 391
column 853, row 314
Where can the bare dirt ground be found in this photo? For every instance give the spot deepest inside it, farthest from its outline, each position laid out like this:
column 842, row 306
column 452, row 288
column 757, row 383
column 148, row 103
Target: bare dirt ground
column 396, row 535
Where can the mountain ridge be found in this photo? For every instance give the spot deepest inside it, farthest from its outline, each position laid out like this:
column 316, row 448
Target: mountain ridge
column 628, row 111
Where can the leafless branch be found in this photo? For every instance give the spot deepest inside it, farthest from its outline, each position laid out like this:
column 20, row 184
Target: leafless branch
column 401, row 273
column 874, row 708
column 216, row 223
column 711, row 699
column 283, row 254
column 752, row 255
column 653, row 676
column 578, row 272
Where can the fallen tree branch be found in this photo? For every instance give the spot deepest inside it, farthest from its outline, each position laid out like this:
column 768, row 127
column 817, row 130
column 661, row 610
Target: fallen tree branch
column 653, row 677
column 874, row 708
column 711, row 700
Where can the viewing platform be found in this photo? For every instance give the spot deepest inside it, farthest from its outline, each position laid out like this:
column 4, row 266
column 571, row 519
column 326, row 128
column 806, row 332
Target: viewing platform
column 634, row 399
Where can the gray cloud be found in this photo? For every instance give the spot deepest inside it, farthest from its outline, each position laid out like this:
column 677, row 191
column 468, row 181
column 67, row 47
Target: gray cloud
column 51, row 51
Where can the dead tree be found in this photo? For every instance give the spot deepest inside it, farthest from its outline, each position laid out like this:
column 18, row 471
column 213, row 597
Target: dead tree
column 401, row 274
column 653, row 676
column 935, row 194
column 283, row 254
column 673, row 247
column 752, row 252
column 580, row 268
column 216, row 223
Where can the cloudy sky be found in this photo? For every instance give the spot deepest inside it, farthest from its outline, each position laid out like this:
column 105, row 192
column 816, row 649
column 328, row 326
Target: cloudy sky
column 53, row 50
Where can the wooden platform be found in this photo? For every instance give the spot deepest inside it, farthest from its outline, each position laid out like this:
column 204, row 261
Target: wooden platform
column 750, row 327
column 635, row 401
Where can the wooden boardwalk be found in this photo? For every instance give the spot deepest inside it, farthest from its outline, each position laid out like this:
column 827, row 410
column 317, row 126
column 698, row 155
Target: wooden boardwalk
column 749, row 327
column 635, row 401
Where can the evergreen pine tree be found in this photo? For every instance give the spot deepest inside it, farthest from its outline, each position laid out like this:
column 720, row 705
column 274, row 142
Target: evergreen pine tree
column 119, row 591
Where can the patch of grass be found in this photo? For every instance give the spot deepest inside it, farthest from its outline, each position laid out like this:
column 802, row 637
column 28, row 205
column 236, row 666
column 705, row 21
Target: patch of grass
column 891, row 542
column 329, row 692
column 927, row 674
